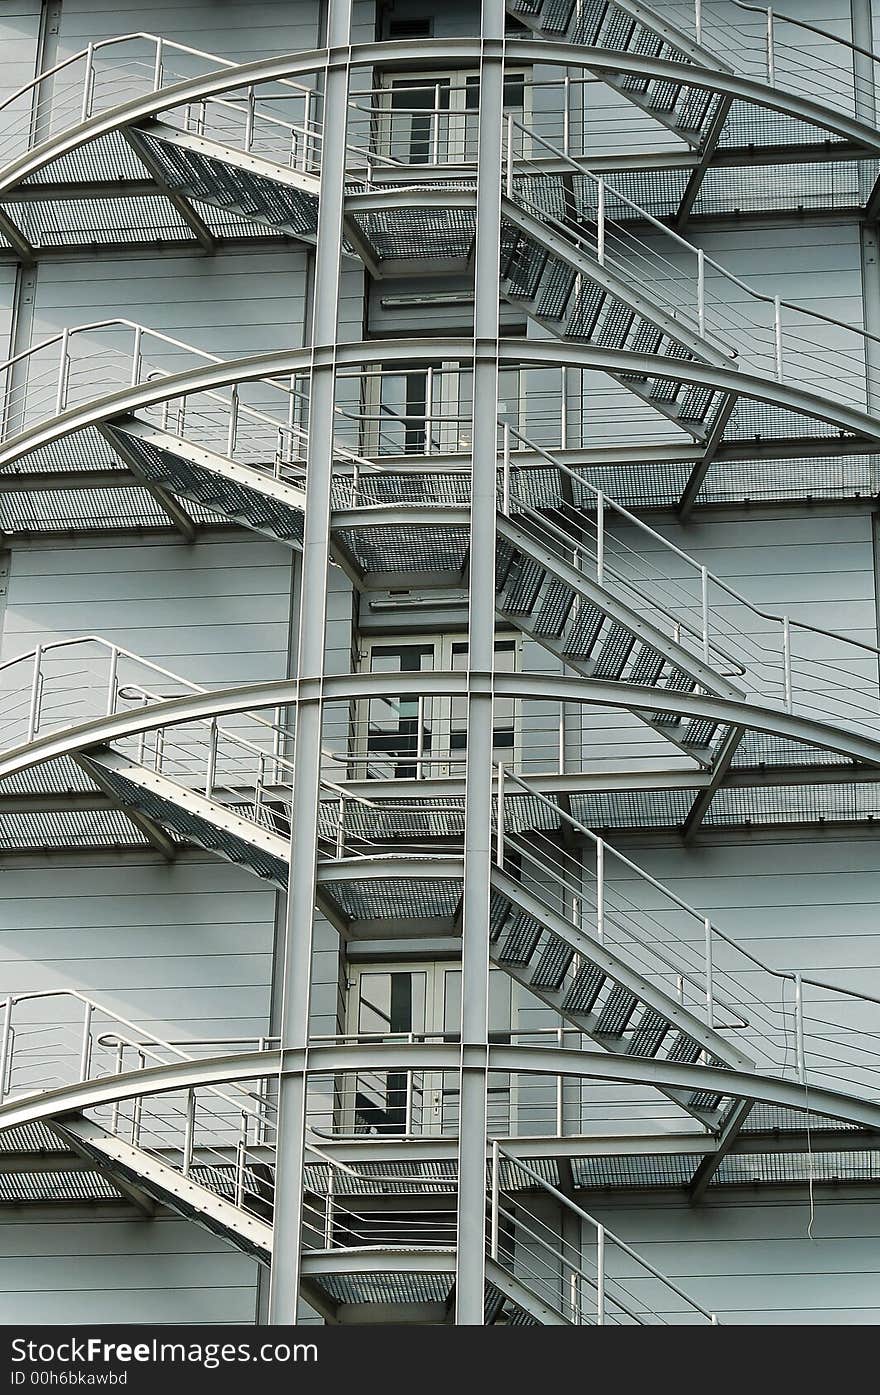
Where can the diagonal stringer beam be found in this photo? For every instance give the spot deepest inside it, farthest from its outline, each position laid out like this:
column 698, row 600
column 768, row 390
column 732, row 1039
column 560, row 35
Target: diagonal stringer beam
column 181, row 205
column 178, row 515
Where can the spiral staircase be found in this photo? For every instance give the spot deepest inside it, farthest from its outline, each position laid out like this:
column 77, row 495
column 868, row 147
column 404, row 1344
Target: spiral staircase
column 727, row 1054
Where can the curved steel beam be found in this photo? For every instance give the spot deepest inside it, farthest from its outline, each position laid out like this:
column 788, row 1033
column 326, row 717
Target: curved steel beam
column 412, row 53
column 282, row 362
column 395, row 1056
column 346, row 687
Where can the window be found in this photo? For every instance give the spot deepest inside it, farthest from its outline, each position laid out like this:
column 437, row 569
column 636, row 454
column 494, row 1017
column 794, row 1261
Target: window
column 422, row 735
column 431, row 118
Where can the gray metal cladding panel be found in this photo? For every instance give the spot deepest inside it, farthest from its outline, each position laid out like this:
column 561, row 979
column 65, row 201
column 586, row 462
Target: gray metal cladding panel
column 393, row 898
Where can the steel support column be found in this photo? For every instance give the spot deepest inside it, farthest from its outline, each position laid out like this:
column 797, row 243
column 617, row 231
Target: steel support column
column 297, row 945
column 471, row 1258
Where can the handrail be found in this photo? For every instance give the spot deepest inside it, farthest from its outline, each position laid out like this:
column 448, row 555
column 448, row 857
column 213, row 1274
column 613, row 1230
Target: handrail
column 735, row 280
column 725, row 586
column 598, row 1225
column 789, row 975
column 812, row 28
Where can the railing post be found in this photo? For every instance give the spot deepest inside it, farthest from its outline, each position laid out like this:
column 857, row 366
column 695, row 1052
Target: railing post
column 560, row 1082
column 157, row 66
column 36, row 693
column 701, row 291
column 600, row 537
column 249, row 120
column 137, row 1109
column 786, row 662
column 508, row 182
column 499, row 819
column 600, row 891
column 496, row 1191
column 566, row 115
column 435, row 127
column 189, row 1131
column 61, row 394
column 329, row 1207
column 799, row 1028
column 505, row 470
column 600, row 222
column 698, row 21
column 420, row 738
column 5, row 1039
column 710, row 975
column 771, row 54
column 232, row 433
column 119, row 1065
column 777, row 336
column 600, row 1276
column 240, row 1148
column 136, row 356
column 86, row 1051
column 88, row 83
column 111, row 680
column 307, row 129
column 258, row 787
column 704, row 608
column 211, row 770
column 410, row 1090
column 340, row 830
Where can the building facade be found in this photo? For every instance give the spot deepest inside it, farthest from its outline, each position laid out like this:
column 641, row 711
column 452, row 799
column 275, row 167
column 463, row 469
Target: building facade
column 439, row 662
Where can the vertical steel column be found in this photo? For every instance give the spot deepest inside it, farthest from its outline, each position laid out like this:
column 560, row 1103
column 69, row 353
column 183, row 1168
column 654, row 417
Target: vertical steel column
column 471, row 1255
column 298, row 937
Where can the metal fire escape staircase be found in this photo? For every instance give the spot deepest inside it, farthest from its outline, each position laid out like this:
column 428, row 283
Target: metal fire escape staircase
column 207, row 1151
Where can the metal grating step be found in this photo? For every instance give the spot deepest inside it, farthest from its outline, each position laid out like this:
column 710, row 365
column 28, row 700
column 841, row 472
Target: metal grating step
column 615, row 327
column 552, row 966
column 616, row 649
column 684, row 1048
column 525, row 271
column 585, row 989
column 589, row 18
column 555, row 16
column 522, row 591
column 649, row 1035
column 616, row 1012
column 554, row 291
column 520, row 940
column 499, row 910
column 647, row 666
column 584, row 632
column 696, row 109
column 699, row 732
column 678, row 682
column 646, row 44
column 588, row 306
column 555, row 608
column 696, row 403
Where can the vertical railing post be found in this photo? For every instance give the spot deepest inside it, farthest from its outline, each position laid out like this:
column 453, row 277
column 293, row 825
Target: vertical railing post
column 36, row 692
column 340, row 829
column 232, row 433
column 5, row 1040
column 505, row 470
column 249, row 119
column 786, row 663
column 508, row 181
column 307, row 130
column 211, row 770
column 710, row 975
column 157, row 66
column 494, row 1228
column 258, row 787
column 799, row 1028
column 566, row 115
column 137, row 1108
column 701, row 291
column 88, row 83
column 499, row 818
column 600, row 537
column 435, row 127
column 136, row 356
column 777, row 336
column 61, row 394
column 771, row 50
column 410, row 1091
column 698, row 21
column 112, row 680
column 420, row 738
column 85, row 1055
column 189, row 1131
column 330, row 1207
column 600, row 891
column 119, row 1065
column 240, row 1150
column 560, row 1090
column 600, row 222
column 600, row 1276
column 704, row 609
